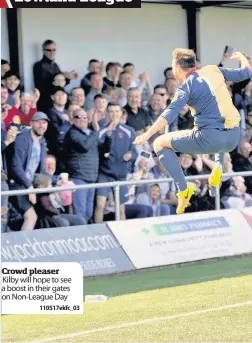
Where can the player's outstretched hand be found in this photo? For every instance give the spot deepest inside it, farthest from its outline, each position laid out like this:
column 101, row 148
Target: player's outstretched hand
column 238, row 56
column 141, row 139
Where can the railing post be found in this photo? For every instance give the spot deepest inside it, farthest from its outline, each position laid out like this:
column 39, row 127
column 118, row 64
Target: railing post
column 217, row 198
column 117, row 202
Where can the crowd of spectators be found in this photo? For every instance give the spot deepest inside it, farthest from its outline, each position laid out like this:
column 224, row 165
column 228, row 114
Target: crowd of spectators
column 54, row 138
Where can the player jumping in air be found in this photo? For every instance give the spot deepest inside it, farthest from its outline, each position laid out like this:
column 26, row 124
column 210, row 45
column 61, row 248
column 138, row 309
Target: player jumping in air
column 216, row 120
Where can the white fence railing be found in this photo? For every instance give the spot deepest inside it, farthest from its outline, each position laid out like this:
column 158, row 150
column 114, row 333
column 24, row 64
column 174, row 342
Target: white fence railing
column 116, row 185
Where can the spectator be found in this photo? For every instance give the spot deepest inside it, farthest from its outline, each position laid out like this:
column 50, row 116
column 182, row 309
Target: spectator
column 58, row 127
column 50, row 166
column 248, row 94
column 155, row 107
column 43, row 72
column 48, row 215
column 138, row 118
column 143, row 84
column 113, row 73
column 113, row 165
column 71, row 109
column 130, row 68
column 100, row 109
column 28, row 158
column 77, row 97
column 185, row 119
column 168, row 190
column 167, row 97
column 6, row 140
column 28, row 106
column 191, row 164
column 5, row 66
column 237, row 86
column 82, row 161
column 250, row 157
column 59, row 80
column 13, row 84
column 168, row 74
column 97, row 87
column 237, row 198
column 162, row 90
column 10, row 114
column 145, row 88
column 15, row 219
column 132, row 211
column 113, row 94
column 153, row 198
column 125, row 81
column 66, row 195
column 172, row 86
column 249, row 120
column 141, row 171
column 201, row 200
column 94, row 66
column 241, row 162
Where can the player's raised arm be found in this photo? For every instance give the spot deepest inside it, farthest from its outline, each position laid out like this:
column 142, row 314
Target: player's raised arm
column 239, row 74
column 180, row 99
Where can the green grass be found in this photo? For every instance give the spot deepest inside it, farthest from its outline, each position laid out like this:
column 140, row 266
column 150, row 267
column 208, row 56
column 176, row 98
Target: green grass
column 165, row 292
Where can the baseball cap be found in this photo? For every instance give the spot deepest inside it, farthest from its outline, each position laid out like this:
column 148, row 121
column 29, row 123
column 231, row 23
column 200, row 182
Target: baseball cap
column 40, row 116
column 56, row 89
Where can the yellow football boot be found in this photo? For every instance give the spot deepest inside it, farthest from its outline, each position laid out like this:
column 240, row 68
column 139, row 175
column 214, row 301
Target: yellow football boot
column 185, row 196
column 214, row 179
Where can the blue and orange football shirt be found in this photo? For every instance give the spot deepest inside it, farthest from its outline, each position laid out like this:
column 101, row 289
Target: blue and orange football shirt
column 208, row 98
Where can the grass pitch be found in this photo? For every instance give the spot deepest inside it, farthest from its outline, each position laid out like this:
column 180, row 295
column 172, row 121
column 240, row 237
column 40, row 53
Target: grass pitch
column 208, row 302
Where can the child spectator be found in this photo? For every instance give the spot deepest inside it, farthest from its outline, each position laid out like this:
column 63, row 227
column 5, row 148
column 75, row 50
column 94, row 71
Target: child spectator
column 48, row 215
column 153, row 198
column 12, row 82
column 66, row 196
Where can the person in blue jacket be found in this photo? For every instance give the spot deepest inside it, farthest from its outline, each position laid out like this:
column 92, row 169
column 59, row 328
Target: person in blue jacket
column 216, row 120
column 28, row 158
column 113, row 165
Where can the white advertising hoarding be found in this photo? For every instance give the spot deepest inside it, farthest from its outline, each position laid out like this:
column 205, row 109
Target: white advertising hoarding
column 190, row 237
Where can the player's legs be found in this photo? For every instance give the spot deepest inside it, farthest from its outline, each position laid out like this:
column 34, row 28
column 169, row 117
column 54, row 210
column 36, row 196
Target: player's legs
column 166, row 153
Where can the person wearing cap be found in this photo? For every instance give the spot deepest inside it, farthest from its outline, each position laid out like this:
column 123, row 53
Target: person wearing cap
column 58, row 126
column 12, row 82
column 25, row 160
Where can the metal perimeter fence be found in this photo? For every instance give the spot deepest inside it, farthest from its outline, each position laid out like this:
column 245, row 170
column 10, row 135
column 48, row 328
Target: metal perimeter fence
column 116, row 185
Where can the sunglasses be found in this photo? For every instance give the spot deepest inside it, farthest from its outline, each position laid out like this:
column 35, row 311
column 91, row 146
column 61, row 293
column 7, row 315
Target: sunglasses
column 50, row 50
column 80, row 117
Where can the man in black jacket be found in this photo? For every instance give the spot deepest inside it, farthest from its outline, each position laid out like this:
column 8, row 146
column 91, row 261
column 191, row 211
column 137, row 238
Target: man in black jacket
column 82, row 155
column 44, row 72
